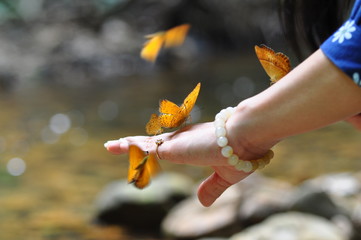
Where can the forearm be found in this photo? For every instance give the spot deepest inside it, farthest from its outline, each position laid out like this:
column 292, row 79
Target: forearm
column 313, row 95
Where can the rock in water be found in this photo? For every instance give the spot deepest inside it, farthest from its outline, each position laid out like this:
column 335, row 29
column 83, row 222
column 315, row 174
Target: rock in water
column 122, row 204
column 292, row 226
column 190, row 220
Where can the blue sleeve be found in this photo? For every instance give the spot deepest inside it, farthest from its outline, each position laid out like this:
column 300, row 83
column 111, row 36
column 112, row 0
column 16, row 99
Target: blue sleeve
column 343, row 48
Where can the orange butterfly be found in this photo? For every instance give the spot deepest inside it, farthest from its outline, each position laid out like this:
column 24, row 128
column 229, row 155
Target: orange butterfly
column 171, row 38
column 172, row 115
column 276, row 65
column 142, row 167
column 153, row 126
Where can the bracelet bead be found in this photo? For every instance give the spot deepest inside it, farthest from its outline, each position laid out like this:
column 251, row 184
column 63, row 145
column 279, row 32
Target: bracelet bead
column 233, row 160
column 220, row 132
column 222, row 141
column 227, row 151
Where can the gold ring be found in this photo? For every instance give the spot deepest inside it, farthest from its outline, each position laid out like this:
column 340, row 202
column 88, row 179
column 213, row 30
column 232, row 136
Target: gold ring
column 158, row 143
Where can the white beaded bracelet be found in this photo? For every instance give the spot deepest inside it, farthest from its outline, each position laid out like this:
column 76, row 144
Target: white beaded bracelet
column 227, row 151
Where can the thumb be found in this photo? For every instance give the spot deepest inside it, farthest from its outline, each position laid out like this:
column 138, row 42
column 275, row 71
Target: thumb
column 211, row 188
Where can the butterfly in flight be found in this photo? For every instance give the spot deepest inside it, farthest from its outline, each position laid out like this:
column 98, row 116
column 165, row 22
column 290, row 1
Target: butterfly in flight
column 171, row 115
column 171, row 38
column 276, row 65
column 142, row 166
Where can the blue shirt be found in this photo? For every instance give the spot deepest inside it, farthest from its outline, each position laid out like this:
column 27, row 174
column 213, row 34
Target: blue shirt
column 343, row 48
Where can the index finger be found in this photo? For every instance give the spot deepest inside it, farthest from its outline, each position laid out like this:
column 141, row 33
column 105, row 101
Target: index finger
column 120, row 146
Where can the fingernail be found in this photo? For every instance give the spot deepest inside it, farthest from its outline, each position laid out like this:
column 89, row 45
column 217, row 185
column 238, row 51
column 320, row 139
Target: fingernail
column 110, row 143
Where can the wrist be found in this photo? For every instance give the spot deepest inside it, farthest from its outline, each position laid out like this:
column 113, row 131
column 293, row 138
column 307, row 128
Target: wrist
column 248, row 132
column 227, row 151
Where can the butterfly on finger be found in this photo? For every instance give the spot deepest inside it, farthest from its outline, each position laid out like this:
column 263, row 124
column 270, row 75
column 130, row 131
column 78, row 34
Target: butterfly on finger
column 142, row 167
column 171, row 115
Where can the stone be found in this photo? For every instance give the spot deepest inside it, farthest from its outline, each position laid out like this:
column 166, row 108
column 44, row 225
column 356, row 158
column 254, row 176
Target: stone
column 261, row 200
column 121, row 203
column 333, row 196
column 316, row 202
column 292, row 226
column 189, row 219
column 338, row 184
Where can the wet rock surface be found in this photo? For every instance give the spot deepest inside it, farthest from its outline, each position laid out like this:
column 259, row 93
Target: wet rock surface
column 120, row 203
column 259, row 207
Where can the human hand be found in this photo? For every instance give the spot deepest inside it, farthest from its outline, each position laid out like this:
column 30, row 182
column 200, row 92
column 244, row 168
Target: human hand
column 194, row 145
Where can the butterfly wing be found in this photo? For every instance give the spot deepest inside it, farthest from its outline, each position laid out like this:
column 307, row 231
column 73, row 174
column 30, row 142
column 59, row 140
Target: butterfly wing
column 171, row 121
column 153, row 126
column 152, row 47
column 148, row 169
column 276, row 65
column 136, row 158
column 171, row 38
column 176, row 36
column 143, row 178
column 152, row 166
column 190, row 100
column 141, row 167
column 170, row 114
column 168, row 107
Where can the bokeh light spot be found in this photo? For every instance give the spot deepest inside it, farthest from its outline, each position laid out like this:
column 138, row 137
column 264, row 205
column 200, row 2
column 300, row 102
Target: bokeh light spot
column 60, row 123
column 16, row 166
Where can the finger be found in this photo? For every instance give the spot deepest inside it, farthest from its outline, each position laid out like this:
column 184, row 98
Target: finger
column 211, row 189
column 120, row 146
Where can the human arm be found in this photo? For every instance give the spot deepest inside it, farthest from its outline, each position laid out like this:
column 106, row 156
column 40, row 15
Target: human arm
column 313, row 95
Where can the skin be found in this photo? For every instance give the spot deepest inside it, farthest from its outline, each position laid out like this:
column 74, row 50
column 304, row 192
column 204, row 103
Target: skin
column 313, row 95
